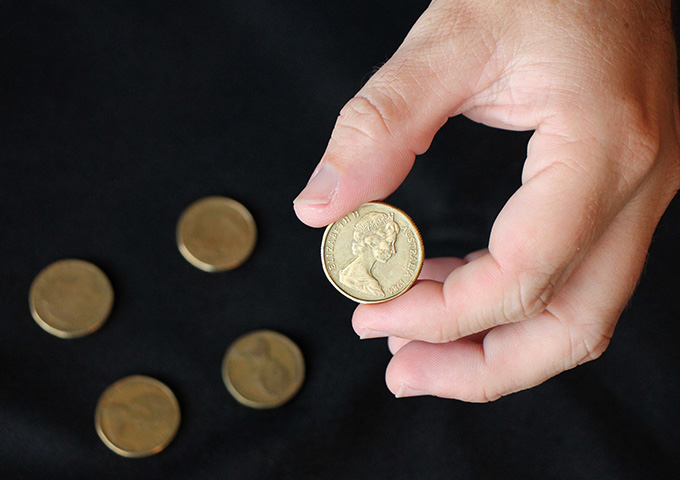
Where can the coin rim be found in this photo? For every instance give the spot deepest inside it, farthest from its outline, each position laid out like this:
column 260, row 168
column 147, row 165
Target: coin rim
column 45, row 325
column 421, row 258
column 243, row 400
column 197, row 262
column 148, row 452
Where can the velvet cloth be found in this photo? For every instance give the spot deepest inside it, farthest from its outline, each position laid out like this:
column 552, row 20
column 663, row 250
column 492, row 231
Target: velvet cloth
column 116, row 115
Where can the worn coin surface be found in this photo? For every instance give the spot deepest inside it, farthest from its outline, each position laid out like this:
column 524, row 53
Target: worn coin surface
column 216, row 234
column 70, row 298
column 137, row 416
column 263, row 369
column 372, row 255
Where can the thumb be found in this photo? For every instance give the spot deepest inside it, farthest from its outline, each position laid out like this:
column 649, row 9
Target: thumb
column 395, row 116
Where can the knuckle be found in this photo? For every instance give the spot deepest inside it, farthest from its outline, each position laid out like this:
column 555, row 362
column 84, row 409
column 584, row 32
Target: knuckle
column 480, row 393
column 486, row 395
column 363, row 117
column 590, row 346
column 644, row 148
column 445, row 21
column 448, row 332
column 642, row 145
column 533, row 292
column 639, row 140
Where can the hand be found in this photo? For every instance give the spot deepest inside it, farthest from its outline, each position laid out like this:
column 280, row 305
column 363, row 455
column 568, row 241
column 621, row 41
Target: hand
column 596, row 80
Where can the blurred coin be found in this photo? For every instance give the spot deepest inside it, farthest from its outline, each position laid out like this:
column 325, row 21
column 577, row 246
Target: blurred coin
column 70, row 298
column 372, row 255
column 137, row 416
column 263, row 369
column 216, row 234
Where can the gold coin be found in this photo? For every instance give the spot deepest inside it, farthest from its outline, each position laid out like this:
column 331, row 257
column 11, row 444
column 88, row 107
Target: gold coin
column 263, row 369
column 372, row 255
column 70, row 298
column 137, row 416
column 216, row 234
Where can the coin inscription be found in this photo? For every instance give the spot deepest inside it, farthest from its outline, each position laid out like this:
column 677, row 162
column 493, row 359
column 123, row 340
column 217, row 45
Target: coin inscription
column 373, row 254
column 263, row 369
column 70, row 298
column 137, row 416
column 216, row 234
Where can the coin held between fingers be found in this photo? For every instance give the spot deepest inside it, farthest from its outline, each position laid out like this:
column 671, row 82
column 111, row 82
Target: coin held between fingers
column 373, row 254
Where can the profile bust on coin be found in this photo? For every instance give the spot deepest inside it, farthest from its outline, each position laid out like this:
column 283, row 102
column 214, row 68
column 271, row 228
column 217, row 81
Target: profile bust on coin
column 373, row 254
column 373, row 241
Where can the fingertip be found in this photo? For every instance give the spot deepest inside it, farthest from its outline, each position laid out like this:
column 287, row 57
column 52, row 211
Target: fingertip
column 407, row 391
column 321, row 187
column 402, row 376
column 311, row 215
column 449, row 370
column 313, row 203
column 322, row 214
column 438, row 269
column 327, row 199
column 476, row 254
column 417, row 314
column 396, row 343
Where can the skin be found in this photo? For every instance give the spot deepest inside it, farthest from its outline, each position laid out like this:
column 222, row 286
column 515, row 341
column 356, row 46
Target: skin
column 596, row 82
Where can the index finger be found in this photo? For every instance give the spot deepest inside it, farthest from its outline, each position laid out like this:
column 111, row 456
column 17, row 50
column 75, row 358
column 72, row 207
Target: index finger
column 537, row 241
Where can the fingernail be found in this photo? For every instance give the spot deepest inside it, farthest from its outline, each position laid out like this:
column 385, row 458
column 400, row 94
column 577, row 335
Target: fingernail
column 406, row 391
column 368, row 333
column 321, row 187
column 476, row 254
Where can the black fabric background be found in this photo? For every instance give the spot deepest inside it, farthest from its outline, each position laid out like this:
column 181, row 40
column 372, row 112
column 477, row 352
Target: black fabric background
column 114, row 116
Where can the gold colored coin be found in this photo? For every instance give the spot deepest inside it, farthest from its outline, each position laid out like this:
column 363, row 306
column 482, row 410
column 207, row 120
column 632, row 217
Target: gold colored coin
column 70, row 298
column 263, row 369
column 137, row 416
column 372, row 255
column 216, row 234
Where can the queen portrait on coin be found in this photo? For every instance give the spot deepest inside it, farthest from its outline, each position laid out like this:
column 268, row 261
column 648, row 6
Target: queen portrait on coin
column 374, row 240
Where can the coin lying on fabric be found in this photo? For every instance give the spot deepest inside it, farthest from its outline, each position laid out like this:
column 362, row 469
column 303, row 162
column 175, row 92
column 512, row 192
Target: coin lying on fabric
column 137, row 416
column 374, row 254
column 263, row 369
column 216, row 234
column 70, row 298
